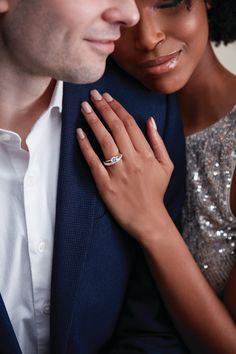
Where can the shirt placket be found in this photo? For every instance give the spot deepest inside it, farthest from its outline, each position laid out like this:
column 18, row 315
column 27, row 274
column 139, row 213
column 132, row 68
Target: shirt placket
column 38, row 250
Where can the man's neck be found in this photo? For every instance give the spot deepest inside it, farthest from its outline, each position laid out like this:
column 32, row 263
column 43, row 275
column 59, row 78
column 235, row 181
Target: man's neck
column 22, row 100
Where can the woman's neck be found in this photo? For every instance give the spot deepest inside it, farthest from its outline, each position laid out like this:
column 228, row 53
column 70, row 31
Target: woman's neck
column 209, row 94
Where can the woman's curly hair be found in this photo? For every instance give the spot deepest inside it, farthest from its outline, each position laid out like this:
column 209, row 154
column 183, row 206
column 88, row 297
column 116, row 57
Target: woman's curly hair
column 222, row 20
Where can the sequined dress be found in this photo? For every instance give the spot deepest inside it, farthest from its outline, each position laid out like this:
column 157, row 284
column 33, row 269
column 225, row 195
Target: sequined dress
column 209, row 226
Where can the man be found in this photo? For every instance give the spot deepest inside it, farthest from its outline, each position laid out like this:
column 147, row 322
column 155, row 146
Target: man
column 63, row 259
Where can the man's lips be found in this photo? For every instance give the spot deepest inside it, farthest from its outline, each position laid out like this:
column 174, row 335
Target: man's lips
column 164, row 59
column 104, row 46
column 102, row 40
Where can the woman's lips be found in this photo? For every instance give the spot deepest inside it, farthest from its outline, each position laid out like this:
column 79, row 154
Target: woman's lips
column 162, row 64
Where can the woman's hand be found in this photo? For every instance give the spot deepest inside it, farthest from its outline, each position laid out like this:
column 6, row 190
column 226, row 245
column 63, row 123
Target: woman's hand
column 133, row 188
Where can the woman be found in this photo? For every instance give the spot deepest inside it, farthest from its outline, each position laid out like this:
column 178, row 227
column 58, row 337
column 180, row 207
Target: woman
column 168, row 51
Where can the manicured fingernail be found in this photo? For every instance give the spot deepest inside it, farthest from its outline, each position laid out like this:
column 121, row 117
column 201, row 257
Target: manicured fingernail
column 96, row 95
column 80, row 133
column 108, row 97
column 154, row 123
column 85, row 106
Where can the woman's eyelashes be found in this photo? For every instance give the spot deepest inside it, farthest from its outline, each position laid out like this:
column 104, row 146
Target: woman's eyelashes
column 166, row 4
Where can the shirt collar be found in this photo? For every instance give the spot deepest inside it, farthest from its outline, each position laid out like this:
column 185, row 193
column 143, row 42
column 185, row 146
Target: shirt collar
column 11, row 137
column 56, row 100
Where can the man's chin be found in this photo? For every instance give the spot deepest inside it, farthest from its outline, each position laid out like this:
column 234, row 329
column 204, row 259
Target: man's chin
column 87, row 74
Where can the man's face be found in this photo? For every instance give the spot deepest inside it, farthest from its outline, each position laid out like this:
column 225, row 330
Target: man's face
column 64, row 39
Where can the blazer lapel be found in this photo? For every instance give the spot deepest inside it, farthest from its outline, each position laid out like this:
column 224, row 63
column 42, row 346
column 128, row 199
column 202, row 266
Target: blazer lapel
column 75, row 206
column 8, row 341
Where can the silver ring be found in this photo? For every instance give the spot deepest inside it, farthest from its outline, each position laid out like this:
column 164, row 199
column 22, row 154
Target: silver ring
column 113, row 160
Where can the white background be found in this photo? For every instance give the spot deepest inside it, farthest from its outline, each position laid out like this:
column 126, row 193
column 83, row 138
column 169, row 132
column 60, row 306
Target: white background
column 227, row 55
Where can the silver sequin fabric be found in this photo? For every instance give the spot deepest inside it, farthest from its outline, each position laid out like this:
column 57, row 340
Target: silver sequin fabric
column 209, row 226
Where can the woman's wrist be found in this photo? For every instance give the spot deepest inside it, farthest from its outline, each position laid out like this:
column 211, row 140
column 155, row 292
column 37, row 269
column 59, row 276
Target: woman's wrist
column 156, row 228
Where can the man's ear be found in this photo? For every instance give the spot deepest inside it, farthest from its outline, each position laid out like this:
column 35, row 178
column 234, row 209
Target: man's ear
column 4, row 5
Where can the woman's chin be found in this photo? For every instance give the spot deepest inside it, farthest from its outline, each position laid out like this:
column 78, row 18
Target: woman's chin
column 167, row 86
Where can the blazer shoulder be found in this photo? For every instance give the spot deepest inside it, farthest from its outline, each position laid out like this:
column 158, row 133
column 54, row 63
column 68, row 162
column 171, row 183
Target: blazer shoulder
column 135, row 97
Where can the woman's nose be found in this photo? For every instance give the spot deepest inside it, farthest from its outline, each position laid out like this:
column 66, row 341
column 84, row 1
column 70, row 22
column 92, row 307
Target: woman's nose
column 148, row 34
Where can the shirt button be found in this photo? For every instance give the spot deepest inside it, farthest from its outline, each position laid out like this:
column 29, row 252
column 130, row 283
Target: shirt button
column 30, row 181
column 46, row 309
column 42, row 246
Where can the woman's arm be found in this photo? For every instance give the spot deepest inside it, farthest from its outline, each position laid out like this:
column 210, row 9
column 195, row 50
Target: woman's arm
column 133, row 190
column 203, row 321
column 230, row 294
column 230, row 290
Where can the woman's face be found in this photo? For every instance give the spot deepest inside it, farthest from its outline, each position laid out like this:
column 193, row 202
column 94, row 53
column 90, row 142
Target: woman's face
column 165, row 47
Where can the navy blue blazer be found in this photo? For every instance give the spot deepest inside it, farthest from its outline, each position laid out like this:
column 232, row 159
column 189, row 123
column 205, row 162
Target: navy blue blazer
column 103, row 298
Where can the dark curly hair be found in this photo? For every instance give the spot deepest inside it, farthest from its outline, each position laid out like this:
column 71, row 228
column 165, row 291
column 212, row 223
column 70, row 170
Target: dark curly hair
column 222, row 20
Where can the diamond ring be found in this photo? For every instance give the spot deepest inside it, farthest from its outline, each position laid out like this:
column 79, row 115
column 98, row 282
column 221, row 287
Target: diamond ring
column 113, row 160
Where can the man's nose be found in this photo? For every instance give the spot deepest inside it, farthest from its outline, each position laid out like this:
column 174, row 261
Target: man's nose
column 124, row 12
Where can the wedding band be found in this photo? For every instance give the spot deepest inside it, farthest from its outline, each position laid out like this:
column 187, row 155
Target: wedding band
column 113, row 160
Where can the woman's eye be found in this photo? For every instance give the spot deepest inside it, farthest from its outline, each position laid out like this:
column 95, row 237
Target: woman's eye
column 165, row 4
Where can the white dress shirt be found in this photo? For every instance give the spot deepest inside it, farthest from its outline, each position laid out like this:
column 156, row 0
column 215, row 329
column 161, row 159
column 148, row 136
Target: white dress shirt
column 28, row 184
